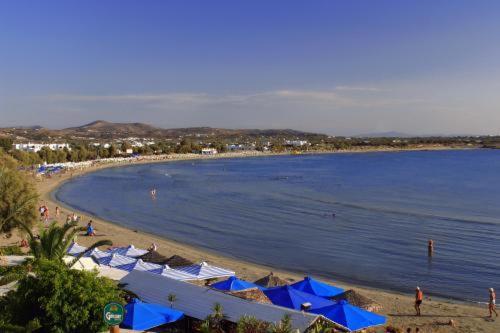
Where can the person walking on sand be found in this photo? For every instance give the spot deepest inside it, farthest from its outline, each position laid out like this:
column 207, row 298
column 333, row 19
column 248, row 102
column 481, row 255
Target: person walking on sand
column 419, row 297
column 57, row 211
column 492, row 302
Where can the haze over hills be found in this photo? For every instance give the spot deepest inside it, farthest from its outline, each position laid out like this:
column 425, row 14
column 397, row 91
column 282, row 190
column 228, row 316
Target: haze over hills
column 108, row 130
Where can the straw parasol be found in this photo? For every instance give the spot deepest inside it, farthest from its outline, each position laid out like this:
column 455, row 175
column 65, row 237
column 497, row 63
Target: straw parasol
column 253, row 294
column 178, row 261
column 154, row 257
column 271, row 280
column 357, row 299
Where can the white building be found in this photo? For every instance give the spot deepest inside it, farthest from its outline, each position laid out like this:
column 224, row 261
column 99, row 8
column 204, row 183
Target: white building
column 208, row 151
column 296, row 143
column 36, row 147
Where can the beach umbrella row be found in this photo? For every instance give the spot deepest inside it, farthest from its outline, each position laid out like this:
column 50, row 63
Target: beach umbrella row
column 123, row 258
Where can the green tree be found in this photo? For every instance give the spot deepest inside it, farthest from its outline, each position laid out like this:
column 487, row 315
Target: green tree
column 6, row 144
column 26, row 158
column 47, row 155
column 112, row 151
column 61, row 299
column 248, row 324
column 18, row 197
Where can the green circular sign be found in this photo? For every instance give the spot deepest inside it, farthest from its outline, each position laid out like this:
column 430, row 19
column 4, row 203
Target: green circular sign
column 113, row 314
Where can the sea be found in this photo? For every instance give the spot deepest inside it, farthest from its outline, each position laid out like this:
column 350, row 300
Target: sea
column 360, row 218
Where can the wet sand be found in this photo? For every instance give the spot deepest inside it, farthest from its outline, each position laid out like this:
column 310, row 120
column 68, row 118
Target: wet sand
column 436, row 313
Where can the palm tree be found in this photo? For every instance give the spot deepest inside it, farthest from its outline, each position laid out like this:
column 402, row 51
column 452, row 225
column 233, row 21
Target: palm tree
column 319, row 327
column 52, row 244
column 284, row 326
column 205, row 327
column 249, row 324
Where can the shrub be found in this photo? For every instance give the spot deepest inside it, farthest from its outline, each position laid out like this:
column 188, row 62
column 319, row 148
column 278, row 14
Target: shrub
column 60, row 299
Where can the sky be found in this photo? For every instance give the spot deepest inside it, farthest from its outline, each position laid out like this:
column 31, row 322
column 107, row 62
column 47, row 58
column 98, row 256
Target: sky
column 336, row 67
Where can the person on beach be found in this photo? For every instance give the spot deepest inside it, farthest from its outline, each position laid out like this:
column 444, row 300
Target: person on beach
column 46, row 215
column 41, row 209
column 153, row 247
column 90, row 229
column 492, row 303
column 57, row 211
column 419, row 297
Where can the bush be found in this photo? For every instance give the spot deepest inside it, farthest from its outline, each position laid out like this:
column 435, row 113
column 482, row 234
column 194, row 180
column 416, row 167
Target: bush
column 60, row 299
column 12, row 250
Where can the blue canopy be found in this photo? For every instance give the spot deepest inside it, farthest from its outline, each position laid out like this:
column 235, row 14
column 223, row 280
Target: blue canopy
column 350, row 316
column 315, row 287
column 234, row 284
column 143, row 316
column 292, row 298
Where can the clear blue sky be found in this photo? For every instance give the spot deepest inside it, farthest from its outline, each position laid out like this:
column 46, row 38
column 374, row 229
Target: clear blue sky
column 340, row 67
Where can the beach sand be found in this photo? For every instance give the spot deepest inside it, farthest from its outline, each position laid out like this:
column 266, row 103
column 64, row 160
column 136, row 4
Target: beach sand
column 436, row 313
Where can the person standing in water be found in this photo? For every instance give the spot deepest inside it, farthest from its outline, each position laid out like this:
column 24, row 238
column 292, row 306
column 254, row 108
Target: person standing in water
column 419, row 297
column 430, row 247
column 492, row 302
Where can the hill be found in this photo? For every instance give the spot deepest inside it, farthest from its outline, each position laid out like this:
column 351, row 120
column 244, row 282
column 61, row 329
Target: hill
column 107, row 130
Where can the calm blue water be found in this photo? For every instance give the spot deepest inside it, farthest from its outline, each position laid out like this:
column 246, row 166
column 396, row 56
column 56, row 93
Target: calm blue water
column 278, row 211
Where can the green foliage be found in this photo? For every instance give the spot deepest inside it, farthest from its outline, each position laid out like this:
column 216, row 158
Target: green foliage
column 6, row 144
column 248, row 324
column 54, row 241
column 52, row 244
column 12, row 250
column 320, row 327
column 18, row 197
column 26, row 158
column 284, row 326
column 62, row 300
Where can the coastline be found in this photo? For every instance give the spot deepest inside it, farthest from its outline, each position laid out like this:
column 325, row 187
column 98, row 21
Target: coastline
column 398, row 307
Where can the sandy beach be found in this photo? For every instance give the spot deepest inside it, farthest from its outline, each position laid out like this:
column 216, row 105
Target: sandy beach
column 436, row 313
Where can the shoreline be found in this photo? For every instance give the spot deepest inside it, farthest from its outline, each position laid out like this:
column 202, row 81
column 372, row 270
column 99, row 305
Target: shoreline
column 398, row 306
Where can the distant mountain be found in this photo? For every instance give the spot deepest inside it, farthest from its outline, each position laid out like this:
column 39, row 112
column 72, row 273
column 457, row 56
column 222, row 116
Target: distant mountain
column 390, row 134
column 101, row 129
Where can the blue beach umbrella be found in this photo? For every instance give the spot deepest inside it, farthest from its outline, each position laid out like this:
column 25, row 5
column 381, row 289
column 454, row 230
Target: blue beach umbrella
column 350, row 316
column 143, row 316
column 317, row 288
column 294, row 299
column 234, row 284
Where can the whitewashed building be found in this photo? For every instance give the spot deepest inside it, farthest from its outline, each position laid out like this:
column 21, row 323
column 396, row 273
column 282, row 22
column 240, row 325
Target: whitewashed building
column 208, row 151
column 36, row 147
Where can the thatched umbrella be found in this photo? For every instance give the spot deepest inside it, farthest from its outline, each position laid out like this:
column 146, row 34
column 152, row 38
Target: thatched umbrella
column 271, row 280
column 356, row 299
column 253, row 294
column 178, row 261
column 154, row 257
